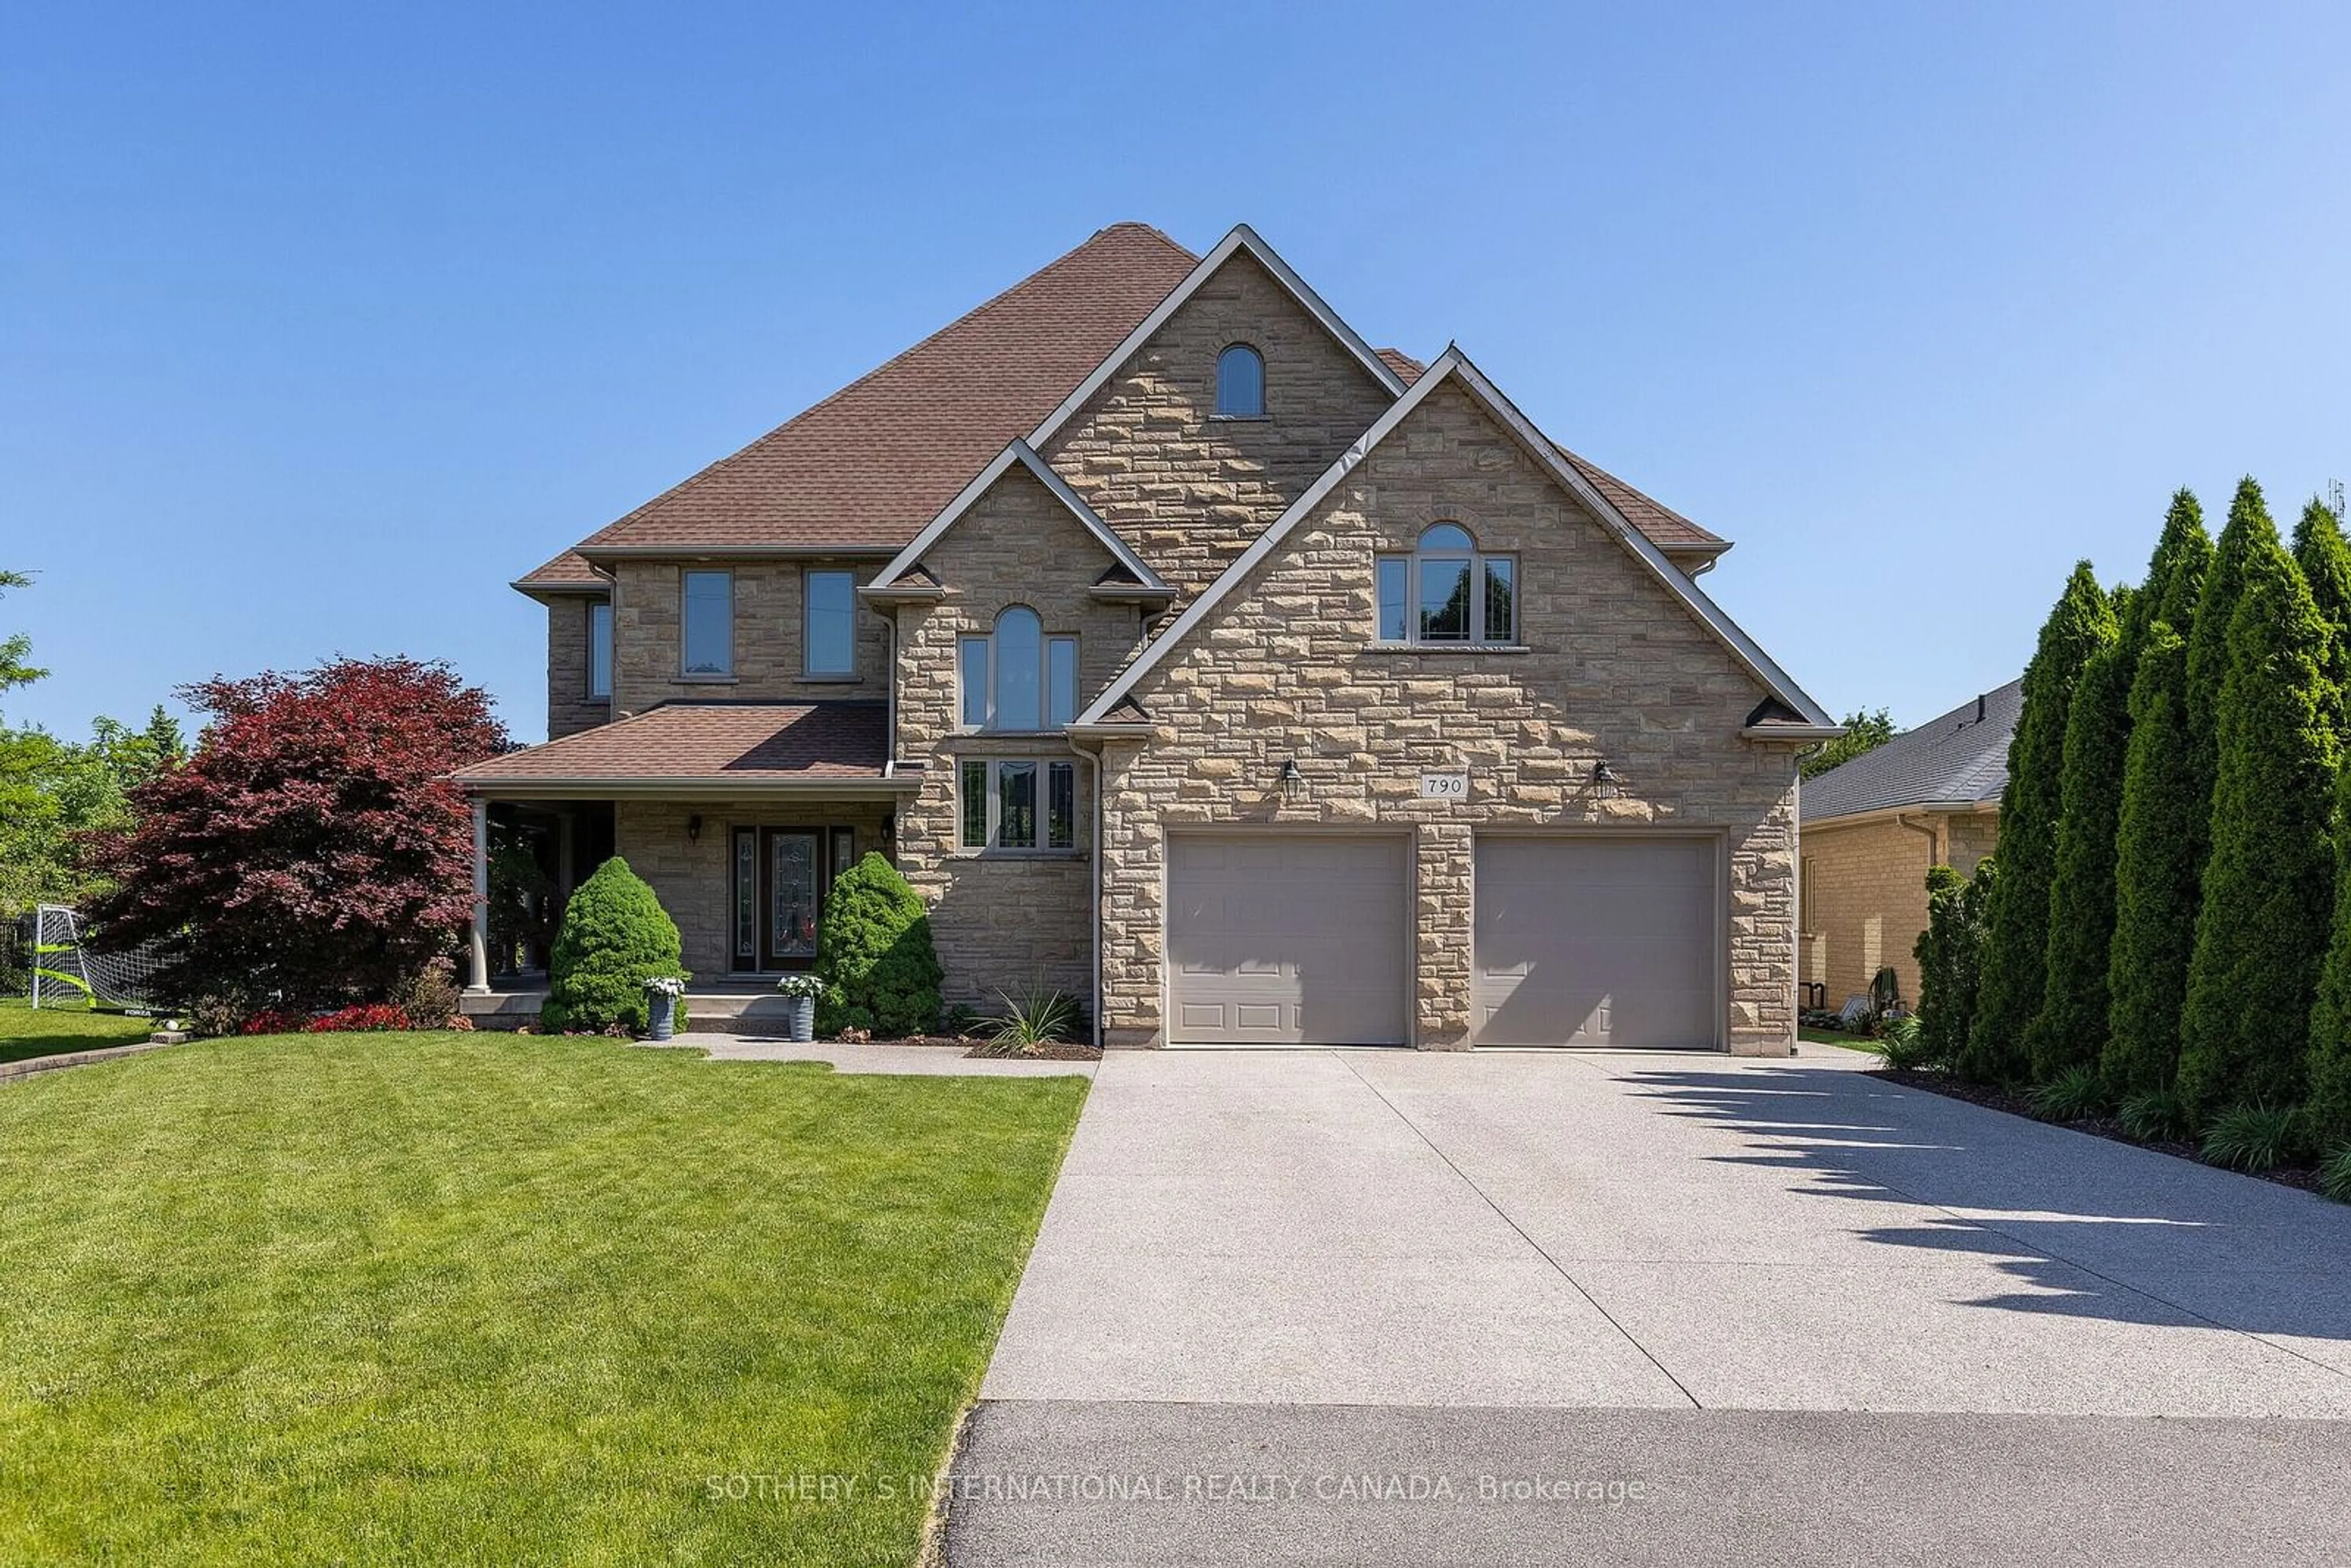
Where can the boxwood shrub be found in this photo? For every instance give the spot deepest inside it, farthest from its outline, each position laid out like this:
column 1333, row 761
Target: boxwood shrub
column 615, row 937
column 874, row 951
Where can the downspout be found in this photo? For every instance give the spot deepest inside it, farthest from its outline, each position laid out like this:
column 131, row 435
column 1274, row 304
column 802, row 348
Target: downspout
column 890, row 704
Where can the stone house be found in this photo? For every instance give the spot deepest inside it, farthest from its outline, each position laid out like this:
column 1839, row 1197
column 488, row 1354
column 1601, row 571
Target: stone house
column 1188, row 654
column 1873, row 826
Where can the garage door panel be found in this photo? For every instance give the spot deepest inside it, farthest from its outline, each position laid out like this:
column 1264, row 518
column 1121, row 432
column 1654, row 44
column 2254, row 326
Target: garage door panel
column 1275, row 940
column 1591, row 941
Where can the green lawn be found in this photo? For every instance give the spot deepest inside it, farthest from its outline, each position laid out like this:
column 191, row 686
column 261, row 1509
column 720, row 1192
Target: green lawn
column 26, row 1031
column 453, row 1298
column 1832, row 1037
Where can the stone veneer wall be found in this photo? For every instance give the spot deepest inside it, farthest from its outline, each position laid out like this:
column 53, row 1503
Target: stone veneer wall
column 694, row 878
column 1617, row 669
column 648, row 610
column 1003, row 920
column 569, row 710
column 1188, row 490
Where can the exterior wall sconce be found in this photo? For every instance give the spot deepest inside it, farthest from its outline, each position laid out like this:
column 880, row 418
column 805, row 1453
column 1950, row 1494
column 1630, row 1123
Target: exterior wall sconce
column 1293, row 782
column 693, row 828
column 1603, row 779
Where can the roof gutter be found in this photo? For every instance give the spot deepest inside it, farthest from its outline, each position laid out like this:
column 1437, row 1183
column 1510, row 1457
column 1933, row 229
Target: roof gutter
column 1911, row 809
column 874, row 787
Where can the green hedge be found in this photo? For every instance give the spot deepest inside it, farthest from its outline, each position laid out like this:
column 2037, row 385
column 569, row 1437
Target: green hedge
column 2017, row 951
column 2269, row 887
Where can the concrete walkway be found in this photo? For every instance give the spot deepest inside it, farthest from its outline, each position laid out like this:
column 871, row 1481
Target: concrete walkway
column 1318, row 1261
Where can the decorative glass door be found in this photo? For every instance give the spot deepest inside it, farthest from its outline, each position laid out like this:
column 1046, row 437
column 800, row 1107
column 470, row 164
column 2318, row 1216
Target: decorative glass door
column 791, row 895
column 781, row 878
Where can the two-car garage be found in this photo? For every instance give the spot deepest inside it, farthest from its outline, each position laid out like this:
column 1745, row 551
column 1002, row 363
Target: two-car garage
column 1594, row 939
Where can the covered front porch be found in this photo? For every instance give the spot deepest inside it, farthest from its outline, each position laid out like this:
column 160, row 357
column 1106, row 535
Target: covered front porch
column 741, row 817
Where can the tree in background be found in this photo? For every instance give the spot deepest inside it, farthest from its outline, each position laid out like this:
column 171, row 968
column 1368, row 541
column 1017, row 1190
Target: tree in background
column 2161, row 829
column 2328, row 1108
column 56, row 794
column 1950, row 959
column 2016, row 953
column 2070, row 1030
column 1864, row 731
column 312, row 853
column 2326, row 561
column 2268, row 885
column 15, row 651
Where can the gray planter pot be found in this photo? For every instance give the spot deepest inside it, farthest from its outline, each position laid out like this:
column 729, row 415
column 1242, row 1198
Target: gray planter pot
column 800, row 1018
column 661, row 1010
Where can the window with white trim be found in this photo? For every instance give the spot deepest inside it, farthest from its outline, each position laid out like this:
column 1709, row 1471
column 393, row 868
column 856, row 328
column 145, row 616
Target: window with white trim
column 1015, row 677
column 1240, row 383
column 1448, row 591
column 1018, row 803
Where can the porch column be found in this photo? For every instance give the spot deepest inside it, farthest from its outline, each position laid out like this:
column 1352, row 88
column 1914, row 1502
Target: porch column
column 477, row 939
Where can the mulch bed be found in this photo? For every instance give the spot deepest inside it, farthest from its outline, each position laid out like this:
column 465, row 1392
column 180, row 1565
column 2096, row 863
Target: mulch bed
column 1058, row 1051
column 2107, row 1127
column 985, row 1050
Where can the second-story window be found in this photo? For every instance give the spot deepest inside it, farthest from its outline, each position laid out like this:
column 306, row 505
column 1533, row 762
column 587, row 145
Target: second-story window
column 599, row 649
column 1448, row 590
column 709, row 623
column 832, row 623
column 1240, row 383
column 1017, row 678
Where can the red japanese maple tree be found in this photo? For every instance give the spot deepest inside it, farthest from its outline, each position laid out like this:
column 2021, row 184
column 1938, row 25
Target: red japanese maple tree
column 311, row 851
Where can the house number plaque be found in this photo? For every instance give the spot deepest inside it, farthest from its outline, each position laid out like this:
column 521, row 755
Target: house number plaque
column 1445, row 786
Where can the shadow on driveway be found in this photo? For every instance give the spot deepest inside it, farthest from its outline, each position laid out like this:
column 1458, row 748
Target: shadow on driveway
column 2254, row 1255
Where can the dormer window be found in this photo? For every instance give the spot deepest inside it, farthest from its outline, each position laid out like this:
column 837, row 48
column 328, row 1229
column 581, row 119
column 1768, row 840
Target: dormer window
column 1015, row 677
column 1448, row 592
column 1240, row 383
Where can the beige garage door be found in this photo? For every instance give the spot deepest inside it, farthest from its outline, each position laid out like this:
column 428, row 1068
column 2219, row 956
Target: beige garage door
column 1595, row 941
column 1286, row 940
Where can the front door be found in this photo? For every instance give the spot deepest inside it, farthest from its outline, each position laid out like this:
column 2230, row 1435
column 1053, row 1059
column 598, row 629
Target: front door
column 782, row 877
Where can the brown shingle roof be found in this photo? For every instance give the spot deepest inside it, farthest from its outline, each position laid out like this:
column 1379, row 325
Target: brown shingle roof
column 1667, row 529
column 566, row 571
column 880, row 458
column 750, row 743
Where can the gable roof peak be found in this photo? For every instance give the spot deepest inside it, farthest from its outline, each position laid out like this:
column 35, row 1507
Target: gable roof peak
column 1454, row 367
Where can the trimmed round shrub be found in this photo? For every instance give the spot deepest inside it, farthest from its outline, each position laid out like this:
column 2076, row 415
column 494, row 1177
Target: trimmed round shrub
column 615, row 937
column 873, row 950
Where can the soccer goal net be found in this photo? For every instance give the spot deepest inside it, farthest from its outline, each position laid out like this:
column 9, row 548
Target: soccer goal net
column 63, row 967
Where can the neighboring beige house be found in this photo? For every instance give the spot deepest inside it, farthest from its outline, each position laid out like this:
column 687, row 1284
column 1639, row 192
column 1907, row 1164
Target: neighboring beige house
column 1875, row 825
column 1189, row 654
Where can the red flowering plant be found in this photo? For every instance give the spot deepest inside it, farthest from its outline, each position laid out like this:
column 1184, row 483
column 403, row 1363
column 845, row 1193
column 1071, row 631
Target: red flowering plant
column 312, row 850
column 368, row 1018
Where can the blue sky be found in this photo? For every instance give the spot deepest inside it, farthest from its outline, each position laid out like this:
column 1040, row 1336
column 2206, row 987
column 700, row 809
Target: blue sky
column 320, row 324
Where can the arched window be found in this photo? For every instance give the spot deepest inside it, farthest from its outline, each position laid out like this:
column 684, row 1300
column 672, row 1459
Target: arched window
column 1240, row 383
column 1448, row 590
column 1015, row 677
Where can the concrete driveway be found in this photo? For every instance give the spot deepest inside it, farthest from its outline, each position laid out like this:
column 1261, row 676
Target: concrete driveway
column 1304, row 1264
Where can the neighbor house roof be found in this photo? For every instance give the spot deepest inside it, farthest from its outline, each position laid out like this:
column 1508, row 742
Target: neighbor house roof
column 869, row 468
column 724, row 745
column 1961, row 758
